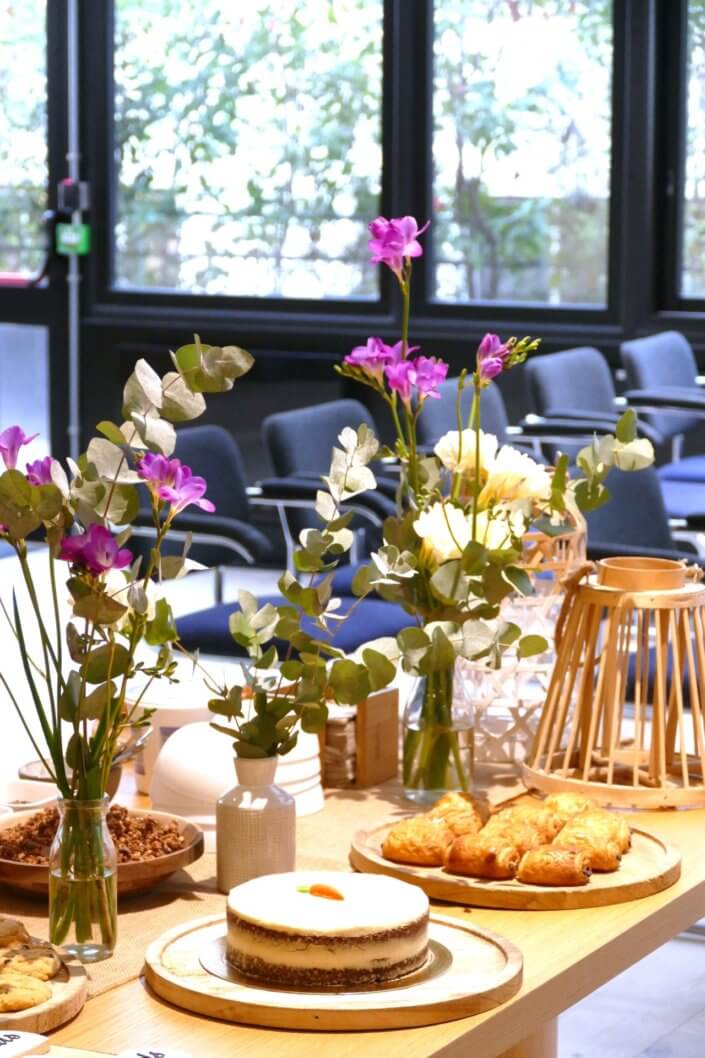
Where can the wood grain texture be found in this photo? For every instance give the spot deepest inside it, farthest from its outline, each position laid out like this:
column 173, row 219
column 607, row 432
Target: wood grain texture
column 650, row 866
column 132, row 877
column 567, row 955
column 69, row 992
column 470, row 971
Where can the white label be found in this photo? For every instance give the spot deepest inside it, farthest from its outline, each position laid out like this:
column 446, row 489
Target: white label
column 19, row 1044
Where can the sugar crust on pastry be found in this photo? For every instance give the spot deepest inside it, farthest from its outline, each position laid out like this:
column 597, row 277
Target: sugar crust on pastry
column 421, row 840
column 550, row 865
column 483, row 856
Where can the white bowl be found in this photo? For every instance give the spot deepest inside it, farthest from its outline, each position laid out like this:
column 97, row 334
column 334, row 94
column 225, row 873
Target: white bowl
column 23, row 795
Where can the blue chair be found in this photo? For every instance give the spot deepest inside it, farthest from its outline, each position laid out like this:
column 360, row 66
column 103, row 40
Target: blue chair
column 439, row 416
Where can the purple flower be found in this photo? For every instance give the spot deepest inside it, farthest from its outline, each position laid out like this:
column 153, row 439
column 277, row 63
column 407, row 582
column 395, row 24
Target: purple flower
column 96, row 550
column 400, row 378
column 424, row 374
column 174, row 482
column 11, row 440
column 374, row 357
column 492, row 356
column 39, row 472
column 394, row 241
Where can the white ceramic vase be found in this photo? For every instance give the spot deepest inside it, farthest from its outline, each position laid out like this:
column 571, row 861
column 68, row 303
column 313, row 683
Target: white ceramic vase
column 255, row 825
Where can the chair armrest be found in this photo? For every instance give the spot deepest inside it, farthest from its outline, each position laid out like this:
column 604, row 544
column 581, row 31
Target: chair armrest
column 674, row 400
column 301, row 492
column 557, row 429
column 214, row 530
column 583, row 414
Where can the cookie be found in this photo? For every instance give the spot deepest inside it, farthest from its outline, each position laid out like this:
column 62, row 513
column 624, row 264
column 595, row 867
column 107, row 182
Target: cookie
column 39, row 962
column 12, row 933
column 20, row 992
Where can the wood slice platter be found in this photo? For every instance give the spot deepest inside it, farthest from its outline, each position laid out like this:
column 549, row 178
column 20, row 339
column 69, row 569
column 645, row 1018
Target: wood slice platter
column 133, row 877
column 650, row 866
column 469, row 970
column 69, row 992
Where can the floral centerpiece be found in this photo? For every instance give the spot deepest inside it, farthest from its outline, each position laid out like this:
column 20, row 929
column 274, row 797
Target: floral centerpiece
column 79, row 675
column 449, row 557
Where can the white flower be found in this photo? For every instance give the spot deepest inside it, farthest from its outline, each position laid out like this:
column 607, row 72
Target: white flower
column 515, row 476
column 633, row 455
column 457, row 451
column 447, row 530
column 117, row 585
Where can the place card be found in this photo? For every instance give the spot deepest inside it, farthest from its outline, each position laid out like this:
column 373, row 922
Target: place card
column 19, row 1044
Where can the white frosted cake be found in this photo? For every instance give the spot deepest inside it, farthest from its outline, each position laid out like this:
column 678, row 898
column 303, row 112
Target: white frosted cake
column 326, row 929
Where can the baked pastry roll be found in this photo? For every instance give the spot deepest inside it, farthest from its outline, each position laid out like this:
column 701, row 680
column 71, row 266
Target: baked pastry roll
column 604, row 853
column 609, row 825
column 569, row 804
column 548, row 865
column 460, row 812
column 483, row 856
column 523, row 835
column 421, row 840
column 546, row 822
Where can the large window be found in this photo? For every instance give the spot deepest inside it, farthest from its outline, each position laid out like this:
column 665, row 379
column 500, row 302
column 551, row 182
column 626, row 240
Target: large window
column 248, row 141
column 521, row 150
column 692, row 277
column 23, row 134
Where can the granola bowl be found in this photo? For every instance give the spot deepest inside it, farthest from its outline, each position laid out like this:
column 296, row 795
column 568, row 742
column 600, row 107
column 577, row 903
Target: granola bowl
column 134, row 875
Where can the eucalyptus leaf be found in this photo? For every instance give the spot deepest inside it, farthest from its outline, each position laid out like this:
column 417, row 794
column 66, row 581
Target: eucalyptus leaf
column 106, row 662
column 94, row 704
column 179, row 402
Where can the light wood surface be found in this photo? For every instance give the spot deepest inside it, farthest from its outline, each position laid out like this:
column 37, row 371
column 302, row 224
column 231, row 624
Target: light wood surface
column 134, row 877
column 651, row 865
column 69, row 990
column 469, row 970
column 567, row 955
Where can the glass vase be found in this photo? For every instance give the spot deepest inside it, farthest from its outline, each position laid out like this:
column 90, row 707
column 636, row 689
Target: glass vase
column 83, row 881
column 438, row 738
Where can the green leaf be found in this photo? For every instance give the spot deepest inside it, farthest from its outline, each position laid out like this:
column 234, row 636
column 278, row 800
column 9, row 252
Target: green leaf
column 349, row 682
column 291, row 670
column 210, row 368
column 111, row 431
column 106, row 662
column 531, row 645
column 439, row 656
column 119, row 505
column 110, row 462
column 268, row 659
column 362, row 581
column 380, row 669
column 519, row 579
column 314, row 717
column 448, row 584
column 161, row 629
column 94, row 605
column 158, row 434
column 626, row 427
column 68, row 702
column 179, row 402
column 413, row 643
column 76, row 751
column 94, row 704
column 16, row 507
column 143, row 390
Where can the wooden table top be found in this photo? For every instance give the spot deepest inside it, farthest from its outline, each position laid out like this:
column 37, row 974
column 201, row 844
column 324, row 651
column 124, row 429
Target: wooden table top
column 567, row 955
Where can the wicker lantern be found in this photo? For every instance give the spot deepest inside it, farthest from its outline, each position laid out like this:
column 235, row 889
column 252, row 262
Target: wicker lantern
column 623, row 717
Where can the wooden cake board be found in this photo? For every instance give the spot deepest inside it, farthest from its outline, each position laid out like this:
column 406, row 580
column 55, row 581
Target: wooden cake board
column 470, row 970
column 650, row 866
column 69, row 992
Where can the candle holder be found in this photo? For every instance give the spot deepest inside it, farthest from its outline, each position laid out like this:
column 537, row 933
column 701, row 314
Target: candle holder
column 623, row 716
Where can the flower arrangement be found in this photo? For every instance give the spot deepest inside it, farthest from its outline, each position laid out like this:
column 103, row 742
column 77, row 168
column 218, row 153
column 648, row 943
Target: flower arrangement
column 450, row 555
column 79, row 680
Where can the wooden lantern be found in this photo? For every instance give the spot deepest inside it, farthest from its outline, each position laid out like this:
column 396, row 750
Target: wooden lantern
column 623, row 718
column 558, row 555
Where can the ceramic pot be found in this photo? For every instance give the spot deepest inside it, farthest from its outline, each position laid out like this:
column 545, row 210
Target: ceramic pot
column 255, row 825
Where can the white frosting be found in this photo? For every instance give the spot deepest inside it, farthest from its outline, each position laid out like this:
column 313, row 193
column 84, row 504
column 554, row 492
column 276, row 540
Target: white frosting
column 370, row 903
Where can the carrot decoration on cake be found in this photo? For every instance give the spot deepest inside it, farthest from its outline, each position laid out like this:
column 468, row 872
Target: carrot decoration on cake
column 326, row 891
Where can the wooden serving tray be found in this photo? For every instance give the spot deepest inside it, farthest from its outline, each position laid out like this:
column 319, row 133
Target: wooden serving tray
column 470, row 970
column 650, row 866
column 69, row 992
column 132, row 877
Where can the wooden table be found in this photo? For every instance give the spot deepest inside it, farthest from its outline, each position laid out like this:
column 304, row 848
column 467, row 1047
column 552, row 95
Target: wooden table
column 567, row 954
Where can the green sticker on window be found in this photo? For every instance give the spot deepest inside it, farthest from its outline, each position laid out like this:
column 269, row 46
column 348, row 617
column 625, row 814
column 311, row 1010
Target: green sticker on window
column 73, row 239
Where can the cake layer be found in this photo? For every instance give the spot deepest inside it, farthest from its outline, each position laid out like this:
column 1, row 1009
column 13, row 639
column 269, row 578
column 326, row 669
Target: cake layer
column 316, row 978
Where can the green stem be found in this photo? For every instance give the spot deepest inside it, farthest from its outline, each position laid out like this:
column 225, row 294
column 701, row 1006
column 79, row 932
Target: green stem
column 475, row 425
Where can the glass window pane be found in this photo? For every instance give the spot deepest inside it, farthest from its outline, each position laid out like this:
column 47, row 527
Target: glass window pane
column 23, row 135
column 693, row 252
column 248, row 145
column 521, row 146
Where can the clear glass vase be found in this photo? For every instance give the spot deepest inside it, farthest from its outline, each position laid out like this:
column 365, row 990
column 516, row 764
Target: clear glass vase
column 83, row 881
column 438, row 738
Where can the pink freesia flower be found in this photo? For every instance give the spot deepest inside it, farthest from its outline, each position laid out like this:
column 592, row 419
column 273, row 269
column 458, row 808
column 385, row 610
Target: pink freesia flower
column 170, row 480
column 11, row 440
column 96, row 551
column 394, row 241
column 422, row 375
column 492, row 356
column 374, row 357
column 39, row 472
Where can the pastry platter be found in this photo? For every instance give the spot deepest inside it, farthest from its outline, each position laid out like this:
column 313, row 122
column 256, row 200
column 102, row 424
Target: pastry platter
column 650, row 866
column 69, row 990
column 134, row 877
column 469, row 970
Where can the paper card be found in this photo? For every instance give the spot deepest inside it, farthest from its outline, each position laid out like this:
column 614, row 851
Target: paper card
column 17, row 1044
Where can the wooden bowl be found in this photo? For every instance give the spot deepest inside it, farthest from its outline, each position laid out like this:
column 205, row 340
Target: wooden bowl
column 134, row 877
column 636, row 573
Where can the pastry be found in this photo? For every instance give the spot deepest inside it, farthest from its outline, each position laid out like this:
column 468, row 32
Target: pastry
column 549, row 865
column 609, row 825
column 604, row 854
column 537, row 815
column 483, row 856
column 12, row 933
column 35, row 961
column 421, row 840
column 569, row 804
column 20, row 992
column 522, row 835
column 460, row 812
column 326, row 929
